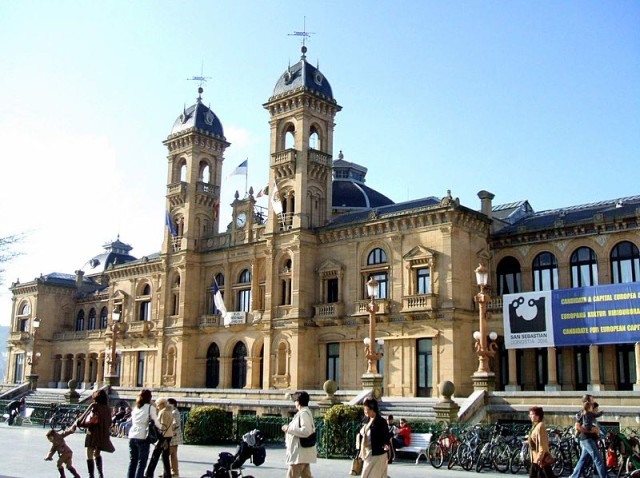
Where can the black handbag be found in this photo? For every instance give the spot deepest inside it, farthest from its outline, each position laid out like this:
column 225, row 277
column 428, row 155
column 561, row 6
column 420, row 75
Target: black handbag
column 309, row 441
column 153, row 432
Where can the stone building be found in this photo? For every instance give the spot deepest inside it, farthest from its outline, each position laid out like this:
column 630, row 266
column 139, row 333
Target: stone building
column 294, row 279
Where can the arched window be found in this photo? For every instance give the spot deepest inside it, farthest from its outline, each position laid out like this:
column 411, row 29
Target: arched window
column 285, row 283
column 244, row 292
column 509, row 276
column 314, row 139
column 183, row 172
column 239, row 366
column 144, row 303
column 103, row 318
column 625, row 263
column 584, row 267
column 282, row 359
column 545, row 272
column 25, row 309
column 91, row 323
column 175, row 291
column 378, row 257
column 80, row 320
column 290, row 139
column 213, row 366
column 204, row 175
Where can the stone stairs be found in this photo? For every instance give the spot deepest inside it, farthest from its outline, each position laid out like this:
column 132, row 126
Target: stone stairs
column 47, row 396
column 409, row 408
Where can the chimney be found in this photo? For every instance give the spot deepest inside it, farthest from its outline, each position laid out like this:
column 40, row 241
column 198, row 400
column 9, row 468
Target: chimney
column 485, row 203
column 79, row 278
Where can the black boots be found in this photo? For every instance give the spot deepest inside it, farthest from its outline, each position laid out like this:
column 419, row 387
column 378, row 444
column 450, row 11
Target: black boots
column 99, row 466
column 90, row 468
column 61, row 471
column 73, row 472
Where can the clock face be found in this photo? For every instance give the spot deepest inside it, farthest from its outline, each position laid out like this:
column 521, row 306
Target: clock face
column 241, row 220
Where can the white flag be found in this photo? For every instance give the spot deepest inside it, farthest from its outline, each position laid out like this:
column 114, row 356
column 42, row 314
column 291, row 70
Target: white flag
column 218, row 300
column 275, row 200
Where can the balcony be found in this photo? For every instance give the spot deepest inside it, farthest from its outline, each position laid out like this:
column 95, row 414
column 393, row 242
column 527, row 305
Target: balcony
column 319, row 157
column 329, row 311
column 419, row 303
column 362, row 306
column 206, row 194
column 139, row 328
column 210, row 321
column 177, row 193
column 73, row 335
column 284, row 163
column 19, row 336
column 495, row 304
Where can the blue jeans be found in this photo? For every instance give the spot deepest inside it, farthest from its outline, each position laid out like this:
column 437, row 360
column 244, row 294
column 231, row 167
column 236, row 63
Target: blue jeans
column 590, row 448
column 138, row 455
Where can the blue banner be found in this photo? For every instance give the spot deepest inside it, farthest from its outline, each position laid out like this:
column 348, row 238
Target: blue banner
column 600, row 315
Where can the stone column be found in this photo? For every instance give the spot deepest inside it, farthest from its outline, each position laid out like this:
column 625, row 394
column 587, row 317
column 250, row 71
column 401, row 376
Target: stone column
column 100, row 369
column 74, row 368
column 225, row 372
column 64, row 377
column 594, row 368
column 553, row 385
column 87, row 371
column 512, row 386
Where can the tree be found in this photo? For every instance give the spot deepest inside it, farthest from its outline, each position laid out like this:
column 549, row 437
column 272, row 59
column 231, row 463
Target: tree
column 7, row 253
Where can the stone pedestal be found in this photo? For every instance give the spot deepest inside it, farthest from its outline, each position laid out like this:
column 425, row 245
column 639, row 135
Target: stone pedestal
column 33, row 381
column 112, row 380
column 446, row 409
column 484, row 381
column 373, row 382
column 330, row 399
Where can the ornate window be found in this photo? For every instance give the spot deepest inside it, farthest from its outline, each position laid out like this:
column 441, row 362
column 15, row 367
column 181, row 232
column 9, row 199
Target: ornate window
column 377, row 268
column 80, row 320
column 213, row 366
column 584, row 267
column 625, row 263
column 91, row 323
column 333, row 361
column 144, row 303
column 104, row 313
column 509, row 276
column 244, row 291
column 545, row 272
column 239, row 366
column 175, row 293
column 285, row 283
column 22, row 323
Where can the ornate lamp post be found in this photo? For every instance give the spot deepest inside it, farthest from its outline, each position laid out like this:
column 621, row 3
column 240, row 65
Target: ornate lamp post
column 113, row 379
column 372, row 379
column 483, row 378
column 34, row 356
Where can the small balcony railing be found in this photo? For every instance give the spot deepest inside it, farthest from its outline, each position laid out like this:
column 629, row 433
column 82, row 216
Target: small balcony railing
column 18, row 336
column 283, row 157
column 320, row 157
column 329, row 311
column 419, row 302
column 362, row 307
column 210, row 320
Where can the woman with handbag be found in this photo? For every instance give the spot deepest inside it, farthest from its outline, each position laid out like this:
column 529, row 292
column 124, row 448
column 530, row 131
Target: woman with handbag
column 300, row 455
column 538, row 439
column 375, row 442
column 142, row 416
column 162, row 447
column 97, row 421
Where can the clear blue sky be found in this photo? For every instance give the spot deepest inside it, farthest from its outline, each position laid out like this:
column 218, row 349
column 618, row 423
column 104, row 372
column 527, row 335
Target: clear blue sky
column 530, row 100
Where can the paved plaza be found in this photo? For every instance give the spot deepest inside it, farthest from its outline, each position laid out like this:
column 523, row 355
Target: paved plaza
column 22, row 452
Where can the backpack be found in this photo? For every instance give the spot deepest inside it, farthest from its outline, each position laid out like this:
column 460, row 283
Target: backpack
column 259, row 455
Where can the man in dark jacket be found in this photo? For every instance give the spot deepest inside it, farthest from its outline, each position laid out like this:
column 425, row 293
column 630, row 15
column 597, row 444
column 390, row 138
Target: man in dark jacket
column 14, row 408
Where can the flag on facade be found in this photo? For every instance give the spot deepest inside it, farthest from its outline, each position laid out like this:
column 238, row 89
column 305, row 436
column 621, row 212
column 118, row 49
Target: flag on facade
column 242, row 169
column 263, row 192
column 169, row 223
column 275, row 200
column 218, row 299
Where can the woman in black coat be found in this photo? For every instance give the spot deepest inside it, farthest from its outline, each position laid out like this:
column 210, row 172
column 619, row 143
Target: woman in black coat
column 375, row 442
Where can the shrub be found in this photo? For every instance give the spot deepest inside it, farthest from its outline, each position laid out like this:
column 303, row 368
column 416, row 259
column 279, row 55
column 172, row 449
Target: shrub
column 341, row 424
column 207, row 426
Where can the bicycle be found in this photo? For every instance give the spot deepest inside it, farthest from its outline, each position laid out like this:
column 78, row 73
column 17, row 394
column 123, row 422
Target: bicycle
column 442, row 449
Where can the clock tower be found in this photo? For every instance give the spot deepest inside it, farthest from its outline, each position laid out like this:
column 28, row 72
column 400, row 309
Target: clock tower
column 243, row 218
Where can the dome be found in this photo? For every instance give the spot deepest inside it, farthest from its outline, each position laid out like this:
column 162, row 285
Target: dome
column 349, row 191
column 115, row 252
column 303, row 75
column 200, row 118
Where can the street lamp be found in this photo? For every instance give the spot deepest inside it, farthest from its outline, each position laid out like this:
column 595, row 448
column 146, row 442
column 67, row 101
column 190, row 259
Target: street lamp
column 484, row 350
column 372, row 379
column 34, row 357
column 113, row 379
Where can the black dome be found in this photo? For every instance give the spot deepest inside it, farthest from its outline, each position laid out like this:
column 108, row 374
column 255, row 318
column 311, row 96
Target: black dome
column 200, row 118
column 303, row 75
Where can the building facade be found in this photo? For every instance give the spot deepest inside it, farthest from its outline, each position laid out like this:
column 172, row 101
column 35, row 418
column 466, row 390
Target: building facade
column 293, row 279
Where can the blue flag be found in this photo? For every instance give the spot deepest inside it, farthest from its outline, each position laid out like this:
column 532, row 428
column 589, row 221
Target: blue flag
column 169, row 223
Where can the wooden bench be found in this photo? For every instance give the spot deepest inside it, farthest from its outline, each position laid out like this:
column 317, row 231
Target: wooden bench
column 419, row 444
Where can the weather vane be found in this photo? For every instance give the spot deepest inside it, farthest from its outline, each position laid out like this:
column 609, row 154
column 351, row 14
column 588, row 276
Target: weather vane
column 201, row 79
column 304, row 33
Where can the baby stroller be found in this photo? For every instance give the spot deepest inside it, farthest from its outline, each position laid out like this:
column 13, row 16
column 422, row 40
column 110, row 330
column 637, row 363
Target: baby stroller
column 229, row 465
column 251, row 447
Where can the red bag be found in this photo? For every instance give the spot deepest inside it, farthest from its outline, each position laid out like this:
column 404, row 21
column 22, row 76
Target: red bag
column 612, row 459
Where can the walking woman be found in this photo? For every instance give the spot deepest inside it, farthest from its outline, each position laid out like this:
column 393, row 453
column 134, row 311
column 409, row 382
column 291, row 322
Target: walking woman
column 141, row 416
column 538, row 445
column 374, row 442
column 162, row 447
column 98, row 425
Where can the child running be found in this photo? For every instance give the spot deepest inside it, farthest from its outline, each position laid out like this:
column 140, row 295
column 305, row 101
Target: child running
column 65, row 454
